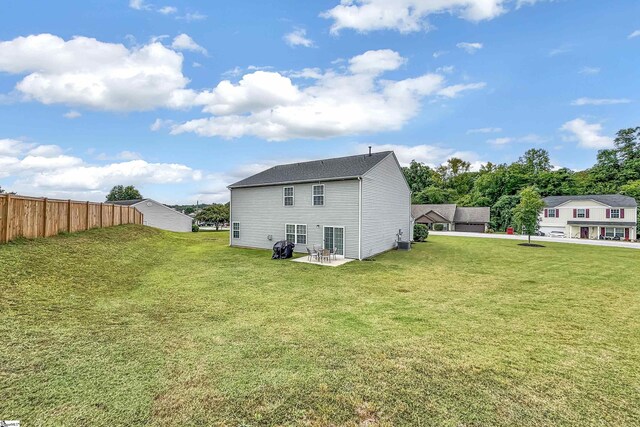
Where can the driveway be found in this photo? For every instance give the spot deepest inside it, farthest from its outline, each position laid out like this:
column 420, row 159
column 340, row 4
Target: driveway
column 537, row 239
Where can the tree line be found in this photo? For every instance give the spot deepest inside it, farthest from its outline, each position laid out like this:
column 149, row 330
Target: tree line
column 499, row 186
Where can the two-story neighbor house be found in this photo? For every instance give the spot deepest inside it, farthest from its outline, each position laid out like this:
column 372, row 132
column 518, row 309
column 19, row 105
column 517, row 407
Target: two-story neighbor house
column 357, row 204
column 591, row 217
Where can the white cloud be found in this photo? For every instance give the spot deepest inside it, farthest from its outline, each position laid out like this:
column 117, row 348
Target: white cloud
column 484, row 130
column 159, row 124
column 167, row 10
column 600, row 101
column 12, row 147
column 184, row 42
column 298, row 37
column 454, row 90
column 407, row 15
column 560, row 50
column 531, row 138
column 439, row 53
column 588, row 135
column 500, row 141
column 271, row 105
column 86, row 72
column 589, row 70
column 635, row 34
column 447, row 69
column 192, row 16
column 376, row 62
column 72, row 114
column 139, row 5
column 470, row 47
column 44, row 170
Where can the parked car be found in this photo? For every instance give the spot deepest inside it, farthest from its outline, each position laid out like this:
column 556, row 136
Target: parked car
column 557, row 234
column 540, row 233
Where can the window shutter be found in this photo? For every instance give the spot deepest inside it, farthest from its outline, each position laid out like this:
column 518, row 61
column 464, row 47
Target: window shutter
column 602, row 231
column 575, row 213
column 587, row 213
column 546, row 213
column 608, row 213
column 557, row 213
column 626, row 234
column 622, row 213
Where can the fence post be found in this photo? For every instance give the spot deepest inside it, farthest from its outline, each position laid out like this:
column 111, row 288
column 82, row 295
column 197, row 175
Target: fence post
column 44, row 218
column 87, row 216
column 120, row 215
column 7, row 218
column 69, row 216
column 101, row 207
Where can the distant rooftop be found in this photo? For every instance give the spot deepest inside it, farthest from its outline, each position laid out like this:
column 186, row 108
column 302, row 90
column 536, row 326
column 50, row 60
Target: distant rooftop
column 613, row 200
column 127, row 202
column 317, row 170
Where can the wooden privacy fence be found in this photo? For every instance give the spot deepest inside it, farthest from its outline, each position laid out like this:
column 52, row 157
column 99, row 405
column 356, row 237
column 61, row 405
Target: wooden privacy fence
column 31, row 217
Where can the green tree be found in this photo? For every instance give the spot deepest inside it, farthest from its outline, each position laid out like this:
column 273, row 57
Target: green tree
column 535, row 160
column 433, row 195
column 632, row 189
column 526, row 214
column 419, row 176
column 502, row 212
column 215, row 214
column 1, row 190
column 120, row 192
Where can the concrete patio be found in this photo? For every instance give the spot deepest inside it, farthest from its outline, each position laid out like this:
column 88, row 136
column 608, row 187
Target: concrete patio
column 333, row 263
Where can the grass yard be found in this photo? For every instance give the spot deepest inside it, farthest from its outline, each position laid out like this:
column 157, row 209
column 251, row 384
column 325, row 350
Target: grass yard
column 132, row 326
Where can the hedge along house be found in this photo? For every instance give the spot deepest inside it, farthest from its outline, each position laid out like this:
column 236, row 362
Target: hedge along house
column 356, row 204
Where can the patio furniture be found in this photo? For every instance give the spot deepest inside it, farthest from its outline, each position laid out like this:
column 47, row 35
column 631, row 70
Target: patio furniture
column 334, row 253
column 325, row 254
column 311, row 255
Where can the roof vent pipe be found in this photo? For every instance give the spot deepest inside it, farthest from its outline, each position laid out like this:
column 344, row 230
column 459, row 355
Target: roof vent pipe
column 369, row 151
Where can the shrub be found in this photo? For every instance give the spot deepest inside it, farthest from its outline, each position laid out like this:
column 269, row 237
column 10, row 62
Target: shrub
column 420, row 232
column 195, row 228
column 438, row 227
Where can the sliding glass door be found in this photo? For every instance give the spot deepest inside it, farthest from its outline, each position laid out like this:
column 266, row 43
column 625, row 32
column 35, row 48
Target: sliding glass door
column 334, row 238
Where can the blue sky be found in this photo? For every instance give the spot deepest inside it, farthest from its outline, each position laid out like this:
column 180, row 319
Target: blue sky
column 183, row 98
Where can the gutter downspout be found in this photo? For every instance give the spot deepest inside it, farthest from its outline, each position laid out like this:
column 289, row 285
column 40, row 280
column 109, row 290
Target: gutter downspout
column 360, row 218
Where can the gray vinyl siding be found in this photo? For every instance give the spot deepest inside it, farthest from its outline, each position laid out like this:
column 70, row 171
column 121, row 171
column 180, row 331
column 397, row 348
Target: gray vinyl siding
column 386, row 207
column 162, row 217
column 261, row 212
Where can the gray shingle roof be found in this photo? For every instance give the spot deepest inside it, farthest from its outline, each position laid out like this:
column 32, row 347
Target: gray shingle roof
column 472, row 215
column 445, row 211
column 317, row 170
column 613, row 200
column 127, row 202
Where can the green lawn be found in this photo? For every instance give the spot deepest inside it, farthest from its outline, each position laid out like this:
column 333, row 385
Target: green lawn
column 132, row 326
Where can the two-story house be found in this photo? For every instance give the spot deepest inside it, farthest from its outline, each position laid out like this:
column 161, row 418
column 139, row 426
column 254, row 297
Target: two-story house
column 357, row 204
column 591, row 217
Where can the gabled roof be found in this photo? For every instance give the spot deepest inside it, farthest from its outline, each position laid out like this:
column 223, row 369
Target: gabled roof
column 445, row 211
column 127, row 202
column 613, row 200
column 472, row 215
column 134, row 202
column 318, row 170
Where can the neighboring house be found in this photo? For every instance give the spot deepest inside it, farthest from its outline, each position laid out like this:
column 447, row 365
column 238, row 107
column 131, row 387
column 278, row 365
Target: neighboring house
column 357, row 204
column 160, row 216
column 591, row 217
column 452, row 217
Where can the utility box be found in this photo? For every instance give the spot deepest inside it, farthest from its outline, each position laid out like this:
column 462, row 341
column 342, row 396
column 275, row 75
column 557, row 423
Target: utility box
column 510, row 230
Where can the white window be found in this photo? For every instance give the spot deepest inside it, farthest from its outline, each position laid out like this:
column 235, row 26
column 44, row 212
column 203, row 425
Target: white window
column 236, row 230
column 614, row 232
column 318, row 195
column 301, row 234
column 615, row 213
column 288, row 196
column 296, row 233
column 582, row 213
column 552, row 213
